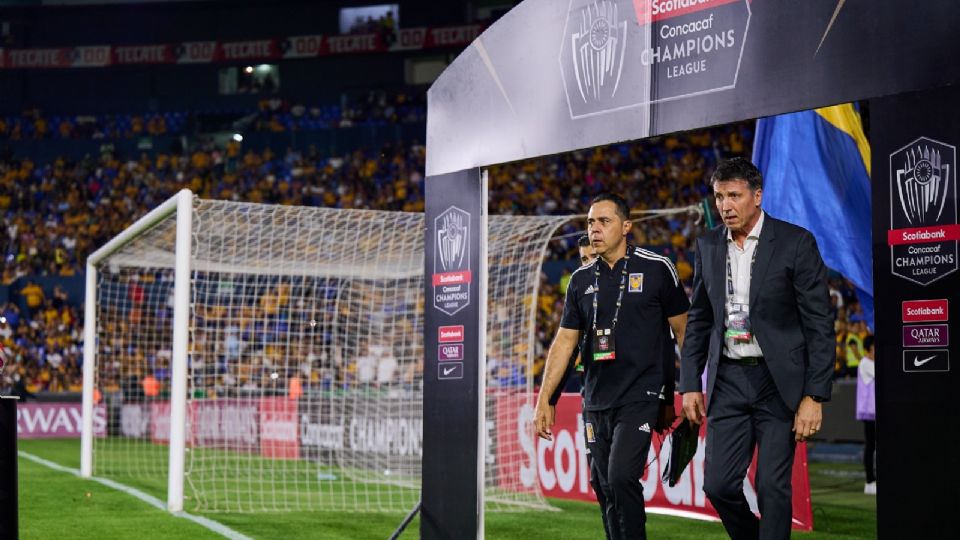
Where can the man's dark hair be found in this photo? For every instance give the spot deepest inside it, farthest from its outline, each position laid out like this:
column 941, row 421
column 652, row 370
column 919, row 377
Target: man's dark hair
column 738, row 168
column 868, row 343
column 583, row 241
column 623, row 210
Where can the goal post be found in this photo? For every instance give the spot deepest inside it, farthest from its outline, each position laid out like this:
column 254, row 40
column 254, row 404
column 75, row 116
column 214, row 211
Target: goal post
column 256, row 357
column 180, row 206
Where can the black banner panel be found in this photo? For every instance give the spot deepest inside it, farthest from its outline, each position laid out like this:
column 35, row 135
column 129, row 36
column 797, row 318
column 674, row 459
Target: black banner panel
column 453, row 341
column 8, row 467
column 553, row 76
column 917, row 285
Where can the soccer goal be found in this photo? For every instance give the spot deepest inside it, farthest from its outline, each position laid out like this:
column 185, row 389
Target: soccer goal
column 265, row 358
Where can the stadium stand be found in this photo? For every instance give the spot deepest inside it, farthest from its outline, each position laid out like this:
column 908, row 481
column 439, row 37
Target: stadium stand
column 56, row 213
column 273, row 115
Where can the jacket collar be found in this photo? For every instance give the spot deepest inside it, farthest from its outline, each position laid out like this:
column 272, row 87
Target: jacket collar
column 765, row 249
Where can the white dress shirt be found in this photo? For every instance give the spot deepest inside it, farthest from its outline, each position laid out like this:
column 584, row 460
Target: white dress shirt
column 740, row 269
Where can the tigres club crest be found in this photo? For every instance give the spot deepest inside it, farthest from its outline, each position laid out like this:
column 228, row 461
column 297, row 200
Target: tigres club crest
column 635, row 283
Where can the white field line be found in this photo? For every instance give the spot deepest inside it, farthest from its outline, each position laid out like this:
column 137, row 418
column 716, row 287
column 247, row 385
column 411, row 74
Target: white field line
column 214, row 526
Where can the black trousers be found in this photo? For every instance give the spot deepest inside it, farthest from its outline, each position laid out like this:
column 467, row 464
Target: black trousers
column 746, row 411
column 870, row 449
column 619, row 442
column 598, row 491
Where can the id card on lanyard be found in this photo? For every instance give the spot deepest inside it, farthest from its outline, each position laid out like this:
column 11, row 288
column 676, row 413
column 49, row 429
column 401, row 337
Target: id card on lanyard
column 738, row 313
column 604, row 344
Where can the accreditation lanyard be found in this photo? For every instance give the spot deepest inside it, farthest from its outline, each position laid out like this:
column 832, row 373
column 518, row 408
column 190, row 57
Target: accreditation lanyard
column 596, row 291
column 738, row 313
column 730, row 292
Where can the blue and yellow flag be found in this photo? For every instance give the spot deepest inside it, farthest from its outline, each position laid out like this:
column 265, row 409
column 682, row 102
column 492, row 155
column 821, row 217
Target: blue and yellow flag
column 816, row 174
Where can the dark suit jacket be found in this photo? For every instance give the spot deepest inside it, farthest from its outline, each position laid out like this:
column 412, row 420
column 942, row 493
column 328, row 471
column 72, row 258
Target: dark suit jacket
column 789, row 312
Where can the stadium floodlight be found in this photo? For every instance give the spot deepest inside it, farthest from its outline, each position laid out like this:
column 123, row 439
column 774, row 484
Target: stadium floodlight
column 260, row 357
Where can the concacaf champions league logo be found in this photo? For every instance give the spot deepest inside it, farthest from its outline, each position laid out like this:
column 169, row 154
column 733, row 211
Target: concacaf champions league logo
column 617, row 54
column 922, row 183
column 451, row 266
column 598, row 45
column 452, row 236
column 923, row 199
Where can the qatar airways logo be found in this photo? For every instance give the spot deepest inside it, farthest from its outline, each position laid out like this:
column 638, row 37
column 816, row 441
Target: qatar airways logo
column 914, row 311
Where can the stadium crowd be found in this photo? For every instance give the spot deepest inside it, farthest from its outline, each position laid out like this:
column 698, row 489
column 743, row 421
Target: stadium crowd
column 55, row 214
column 384, row 26
column 272, row 114
column 41, row 348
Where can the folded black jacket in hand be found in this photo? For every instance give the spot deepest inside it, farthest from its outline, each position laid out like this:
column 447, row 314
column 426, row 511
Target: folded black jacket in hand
column 683, row 445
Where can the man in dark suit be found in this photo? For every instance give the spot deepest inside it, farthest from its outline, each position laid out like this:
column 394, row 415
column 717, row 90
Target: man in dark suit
column 760, row 323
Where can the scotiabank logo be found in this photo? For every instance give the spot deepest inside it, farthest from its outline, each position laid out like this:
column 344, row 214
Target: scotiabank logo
column 452, row 278
column 451, row 334
column 562, row 463
column 926, row 310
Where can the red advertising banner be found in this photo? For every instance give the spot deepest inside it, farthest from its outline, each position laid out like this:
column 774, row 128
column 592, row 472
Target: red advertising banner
column 37, row 58
column 262, row 49
column 224, row 423
column 925, row 310
column 450, row 334
column 57, row 420
column 561, row 465
column 922, row 235
column 98, row 56
column 144, row 54
column 449, row 36
column 267, row 425
column 411, row 39
column 354, row 43
column 197, row 52
column 256, row 50
column 160, row 422
column 279, row 429
column 302, row 46
column 657, row 10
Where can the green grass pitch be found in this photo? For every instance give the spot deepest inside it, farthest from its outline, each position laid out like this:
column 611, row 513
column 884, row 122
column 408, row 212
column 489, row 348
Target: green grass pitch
column 55, row 504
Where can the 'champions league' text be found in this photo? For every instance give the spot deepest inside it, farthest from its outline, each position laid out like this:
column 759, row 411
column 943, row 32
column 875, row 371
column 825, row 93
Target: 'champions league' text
column 686, row 47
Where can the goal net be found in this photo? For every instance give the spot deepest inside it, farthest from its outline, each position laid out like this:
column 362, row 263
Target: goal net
column 302, row 354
